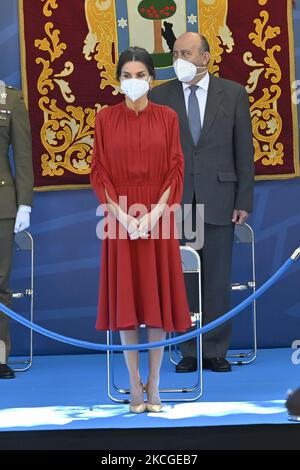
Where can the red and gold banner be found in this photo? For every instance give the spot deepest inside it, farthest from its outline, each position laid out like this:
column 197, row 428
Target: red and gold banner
column 70, row 49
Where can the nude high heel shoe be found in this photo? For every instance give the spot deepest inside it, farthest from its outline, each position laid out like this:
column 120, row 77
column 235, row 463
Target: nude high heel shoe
column 153, row 408
column 138, row 408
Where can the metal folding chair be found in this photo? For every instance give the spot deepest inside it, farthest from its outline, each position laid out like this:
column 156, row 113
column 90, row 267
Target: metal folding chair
column 190, row 264
column 24, row 243
column 244, row 235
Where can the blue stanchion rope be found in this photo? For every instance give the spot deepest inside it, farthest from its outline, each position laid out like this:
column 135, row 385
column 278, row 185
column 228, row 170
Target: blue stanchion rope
column 210, row 326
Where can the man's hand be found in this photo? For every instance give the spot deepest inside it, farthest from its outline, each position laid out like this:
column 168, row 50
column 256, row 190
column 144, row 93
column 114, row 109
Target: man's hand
column 22, row 218
column 239, row 217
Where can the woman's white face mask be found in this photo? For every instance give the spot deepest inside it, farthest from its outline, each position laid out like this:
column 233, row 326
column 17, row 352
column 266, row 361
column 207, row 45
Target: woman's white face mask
column 186, row 71
column 135, row 88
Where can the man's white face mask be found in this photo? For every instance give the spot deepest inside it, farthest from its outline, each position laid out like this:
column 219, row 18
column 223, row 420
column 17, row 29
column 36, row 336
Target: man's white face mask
column 135, row 88
column 186, row 71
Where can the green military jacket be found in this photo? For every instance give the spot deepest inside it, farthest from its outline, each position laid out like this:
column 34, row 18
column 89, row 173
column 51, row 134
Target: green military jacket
column 15, row 131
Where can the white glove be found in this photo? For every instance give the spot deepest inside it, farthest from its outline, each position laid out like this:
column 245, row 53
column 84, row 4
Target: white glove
column 22, row 218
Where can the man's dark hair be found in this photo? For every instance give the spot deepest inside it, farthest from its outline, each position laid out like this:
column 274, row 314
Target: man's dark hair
column 136, row 54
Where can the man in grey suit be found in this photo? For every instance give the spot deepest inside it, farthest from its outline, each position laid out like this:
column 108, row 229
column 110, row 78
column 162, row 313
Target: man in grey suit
column 15, row 198
column 216, row 139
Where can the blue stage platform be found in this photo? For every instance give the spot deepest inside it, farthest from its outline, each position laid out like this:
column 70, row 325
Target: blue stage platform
column 61, row 403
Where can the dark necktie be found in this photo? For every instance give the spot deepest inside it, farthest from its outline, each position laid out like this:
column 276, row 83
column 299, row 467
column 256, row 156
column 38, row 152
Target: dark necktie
column 194, row 114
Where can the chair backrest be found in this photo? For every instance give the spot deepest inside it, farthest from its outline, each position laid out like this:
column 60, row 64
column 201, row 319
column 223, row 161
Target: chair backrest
column 243, row 234
column 24, row 241
column 190, row 259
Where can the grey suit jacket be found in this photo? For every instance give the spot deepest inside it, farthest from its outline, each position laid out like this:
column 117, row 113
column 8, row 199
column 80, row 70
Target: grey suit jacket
column 15, row 131
column 220, row 168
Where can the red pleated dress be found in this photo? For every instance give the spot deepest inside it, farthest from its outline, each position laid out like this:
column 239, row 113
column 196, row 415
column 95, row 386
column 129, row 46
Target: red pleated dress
column 139, row 157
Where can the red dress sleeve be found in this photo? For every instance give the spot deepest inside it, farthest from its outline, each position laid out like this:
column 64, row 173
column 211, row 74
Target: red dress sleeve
column 100, row 176
column 174, row 177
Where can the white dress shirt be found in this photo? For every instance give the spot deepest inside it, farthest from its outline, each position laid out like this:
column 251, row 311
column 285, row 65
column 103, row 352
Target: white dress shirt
column 201, row 94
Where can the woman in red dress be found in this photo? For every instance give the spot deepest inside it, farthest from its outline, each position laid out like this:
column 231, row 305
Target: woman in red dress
column 137, row 160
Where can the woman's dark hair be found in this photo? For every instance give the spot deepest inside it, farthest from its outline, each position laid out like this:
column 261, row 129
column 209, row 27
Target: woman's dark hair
column 136, row 54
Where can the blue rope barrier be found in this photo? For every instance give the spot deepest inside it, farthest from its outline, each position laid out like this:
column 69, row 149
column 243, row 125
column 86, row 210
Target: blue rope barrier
column 210, row 326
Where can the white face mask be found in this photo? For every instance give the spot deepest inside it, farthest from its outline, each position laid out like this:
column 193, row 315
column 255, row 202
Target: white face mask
column 186, row 71
column 135, row 88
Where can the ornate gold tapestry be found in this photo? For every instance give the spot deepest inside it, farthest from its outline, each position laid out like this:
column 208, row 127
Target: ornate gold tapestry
column 69, row 53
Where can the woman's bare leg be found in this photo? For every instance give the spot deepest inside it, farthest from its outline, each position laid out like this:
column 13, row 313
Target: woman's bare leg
column 155, row 361
column 132, row 363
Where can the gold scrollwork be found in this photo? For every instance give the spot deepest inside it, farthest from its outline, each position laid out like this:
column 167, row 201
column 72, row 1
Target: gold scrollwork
column 101, row 40
column 266, row 120
column 63, row 84
column 213, row 18
column 267, row 127
column 66, row 134
column 67, row 137
column 44, row 44
column 49, row 4
column 44, row 81
column 262, row 34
